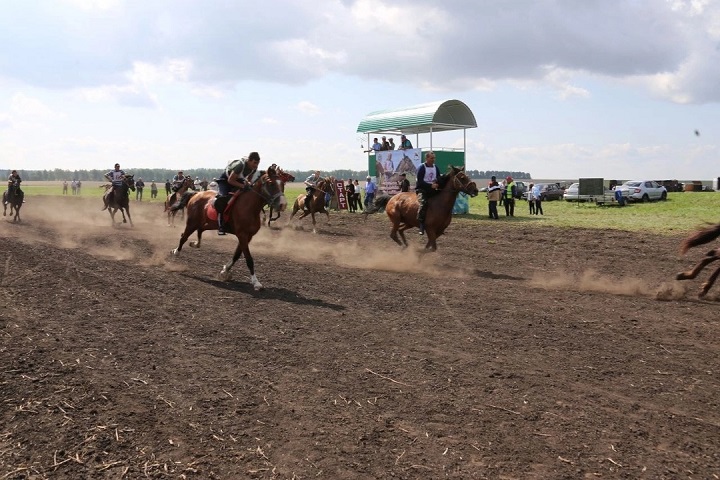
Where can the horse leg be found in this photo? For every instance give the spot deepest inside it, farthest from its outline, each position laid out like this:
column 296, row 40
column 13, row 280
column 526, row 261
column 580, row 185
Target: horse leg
column 431, row 240
column 225, row 274
column 189, row 230
column 112, row 210
column 394, row 234
column 328, row 217
column 689, row 275
column 401, row 231
column 313, row 219
column 127, row 209
column 706, row 286
column 199, row 240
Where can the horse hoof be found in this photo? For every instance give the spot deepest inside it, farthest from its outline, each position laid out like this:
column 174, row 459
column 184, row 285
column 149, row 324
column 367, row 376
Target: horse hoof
column 225, row 276
column 193, row 244
column 175, row 252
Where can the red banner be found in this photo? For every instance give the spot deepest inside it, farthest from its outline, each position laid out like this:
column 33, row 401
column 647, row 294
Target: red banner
column 341, row 195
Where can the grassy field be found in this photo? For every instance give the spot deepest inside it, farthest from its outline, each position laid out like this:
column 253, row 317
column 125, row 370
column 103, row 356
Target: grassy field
column 682, row 212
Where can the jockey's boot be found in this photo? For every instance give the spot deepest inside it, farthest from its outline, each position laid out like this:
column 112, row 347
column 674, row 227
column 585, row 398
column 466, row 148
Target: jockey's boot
column 221, row 229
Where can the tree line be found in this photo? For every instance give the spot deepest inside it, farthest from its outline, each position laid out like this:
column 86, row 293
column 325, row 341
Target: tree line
column 163, row 174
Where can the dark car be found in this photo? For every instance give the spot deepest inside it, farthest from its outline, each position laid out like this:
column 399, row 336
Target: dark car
column 520, row 189
column 548, row 191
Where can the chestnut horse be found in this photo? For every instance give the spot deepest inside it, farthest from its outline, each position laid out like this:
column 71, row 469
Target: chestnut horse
column 402, row 208
column 700, row 238
column 118, row 198
column 242, row 217
column 14, row 197
column 174, row 198
column 317, row 202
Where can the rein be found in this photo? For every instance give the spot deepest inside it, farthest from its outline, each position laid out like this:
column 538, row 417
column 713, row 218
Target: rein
column 264, row 193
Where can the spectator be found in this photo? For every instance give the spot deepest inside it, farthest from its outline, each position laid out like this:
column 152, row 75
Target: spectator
column 73, row 186
column 538, row 199
column 405, row 144
column 65, row 187
column 391, row 144
column 404, row 183
column 493, row 194
column 153, row 189
column 350, row 193
column 509, row 198
column 376, row 146
column 531, row 199
column 358, row 197
column 139, row 187
column 168, row 187
column 204, row 184
column 79, row 185
column 198, row 184
column 385, row 144
column 370, row 189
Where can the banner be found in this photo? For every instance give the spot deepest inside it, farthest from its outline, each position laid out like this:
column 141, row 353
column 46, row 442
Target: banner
column 341, row 194
column 389, row 164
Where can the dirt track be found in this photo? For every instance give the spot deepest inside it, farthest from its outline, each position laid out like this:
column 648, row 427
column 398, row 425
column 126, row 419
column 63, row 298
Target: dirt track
column 514, row 352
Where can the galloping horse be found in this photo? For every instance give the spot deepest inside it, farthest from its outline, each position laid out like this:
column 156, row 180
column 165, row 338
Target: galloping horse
column 174, row 197
column 402, row 208
column 700, row 238
column 242, row 217
column 284, row 178
column 317, row 202
column 13, row 196
column 118, row 199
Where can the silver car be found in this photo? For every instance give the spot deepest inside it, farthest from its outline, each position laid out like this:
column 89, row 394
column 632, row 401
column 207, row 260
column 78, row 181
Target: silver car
column 643, row 190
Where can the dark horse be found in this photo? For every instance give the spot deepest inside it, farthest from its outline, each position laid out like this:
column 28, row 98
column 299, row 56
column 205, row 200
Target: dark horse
column 403, row 207
column 284, row 178
column 173, row 198
column 242, row 216
column 13, row 196
column 700, row 238
column 118, row 198
column 317, row 202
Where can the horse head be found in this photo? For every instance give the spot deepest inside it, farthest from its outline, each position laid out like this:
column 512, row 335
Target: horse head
column 188, row 183
column 129, row 182
column 458, row 181
column 270, row 187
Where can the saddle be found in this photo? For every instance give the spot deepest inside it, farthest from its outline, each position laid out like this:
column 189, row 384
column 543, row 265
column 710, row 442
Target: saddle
column 211, row 212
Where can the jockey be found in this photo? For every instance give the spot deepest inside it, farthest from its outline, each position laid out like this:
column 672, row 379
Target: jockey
column 177, row 181
column 426, row 186
column 237, row 175
column 310, row 185
column 116, row 176
column 14, row 181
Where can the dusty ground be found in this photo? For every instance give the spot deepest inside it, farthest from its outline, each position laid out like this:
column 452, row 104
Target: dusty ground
column 514, row 352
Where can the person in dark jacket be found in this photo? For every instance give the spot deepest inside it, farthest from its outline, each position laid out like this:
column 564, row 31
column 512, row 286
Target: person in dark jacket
column 426, row 186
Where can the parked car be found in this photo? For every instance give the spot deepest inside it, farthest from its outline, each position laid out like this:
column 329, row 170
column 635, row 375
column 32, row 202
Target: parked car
column 643, row 190
column 521, row 189
column 548, row 191
column 572, row 193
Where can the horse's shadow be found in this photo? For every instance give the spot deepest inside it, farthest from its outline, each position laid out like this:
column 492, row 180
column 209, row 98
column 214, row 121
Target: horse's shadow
column 268, row 293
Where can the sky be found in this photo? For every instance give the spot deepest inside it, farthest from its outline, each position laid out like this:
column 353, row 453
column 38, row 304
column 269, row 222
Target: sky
column 559, row 88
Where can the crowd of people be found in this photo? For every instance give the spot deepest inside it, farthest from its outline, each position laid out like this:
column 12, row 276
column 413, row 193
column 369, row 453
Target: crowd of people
column 389, row 144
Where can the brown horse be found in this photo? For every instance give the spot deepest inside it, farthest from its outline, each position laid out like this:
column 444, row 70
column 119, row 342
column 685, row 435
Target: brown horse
column 242, row 216
column 119, row 199
column 284, row 178
column 14, row 197
column 174, row 198
column 317, row 202
column 402, row 208
column 700, row 238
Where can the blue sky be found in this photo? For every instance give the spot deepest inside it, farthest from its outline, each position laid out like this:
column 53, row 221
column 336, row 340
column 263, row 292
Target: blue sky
column 560, row 89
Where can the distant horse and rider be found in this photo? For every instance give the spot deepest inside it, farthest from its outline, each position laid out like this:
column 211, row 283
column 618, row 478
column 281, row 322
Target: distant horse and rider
column 187, row 184
column 13, row 196
column 700, row 238
column 315, row 203
column 285, row 178
column 402, row 209
column 116, row 197
column 241, row 216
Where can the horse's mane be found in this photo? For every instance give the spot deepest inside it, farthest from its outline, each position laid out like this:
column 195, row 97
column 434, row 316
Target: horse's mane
column 452, row 172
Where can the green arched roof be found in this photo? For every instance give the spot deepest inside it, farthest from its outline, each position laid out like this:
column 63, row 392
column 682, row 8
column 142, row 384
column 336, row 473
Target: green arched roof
column 425, row 118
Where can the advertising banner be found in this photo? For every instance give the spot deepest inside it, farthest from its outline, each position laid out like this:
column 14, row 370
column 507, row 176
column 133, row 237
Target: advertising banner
column 341, row 195
column 390, row 164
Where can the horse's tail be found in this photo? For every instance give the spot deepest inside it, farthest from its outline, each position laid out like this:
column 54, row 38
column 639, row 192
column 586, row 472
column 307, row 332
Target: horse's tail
column 703, row 236
column 378, row 204
column 184, row 199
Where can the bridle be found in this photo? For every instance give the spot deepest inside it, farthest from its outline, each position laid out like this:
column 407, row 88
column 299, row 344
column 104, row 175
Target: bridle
column 264, row 193
column 458, row 186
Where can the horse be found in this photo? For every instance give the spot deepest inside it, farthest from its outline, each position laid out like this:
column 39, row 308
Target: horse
column 119, row 199
column 174, row 198
column 402, row 208
column 699, row 238
column 14, row 197
column 242, row 217
column 284, row 178
column 317, row 202
column 406, row 165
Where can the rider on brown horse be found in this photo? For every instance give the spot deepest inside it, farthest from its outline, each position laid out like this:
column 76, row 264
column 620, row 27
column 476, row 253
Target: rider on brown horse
column 237, row 175
column 310, row 185
column 14, row 181
column 116, row 177
column 426, row 186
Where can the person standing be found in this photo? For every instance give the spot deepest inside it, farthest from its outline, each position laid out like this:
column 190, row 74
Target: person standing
column 405, row 144
column 376, row 146
column 494, row 194
column 391, row 144
column 509, row 199
column 153, row 189
column 358, row 197
column 385, row 144
column 404, row 183
column 538, row 199
column 531, row 200
column 139, row 187
column 168, row 187
column 426, row 186
column 350, row 193
column 370, row 189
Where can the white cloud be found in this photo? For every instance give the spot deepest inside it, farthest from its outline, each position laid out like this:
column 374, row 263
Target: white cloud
column 308, row 108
